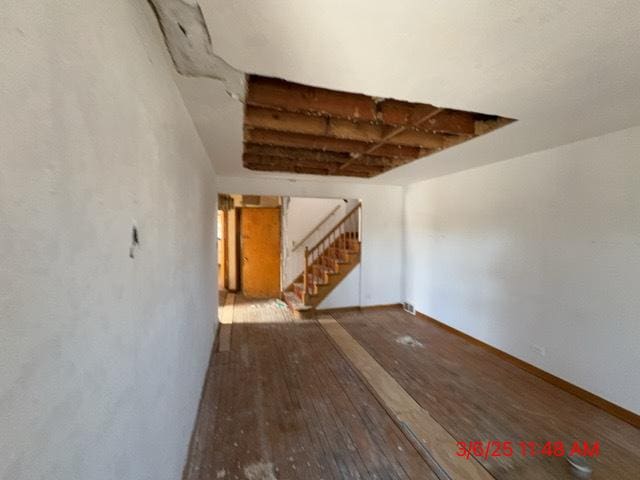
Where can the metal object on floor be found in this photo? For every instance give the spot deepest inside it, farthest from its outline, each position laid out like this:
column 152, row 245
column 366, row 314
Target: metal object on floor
column 579, row 467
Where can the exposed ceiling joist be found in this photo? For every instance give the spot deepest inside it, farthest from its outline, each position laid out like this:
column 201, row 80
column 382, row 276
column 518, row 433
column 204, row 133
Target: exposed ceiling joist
column 282, row 121
column 298, row 128
column 293, row 97
column 315, row 142
column 393, row 134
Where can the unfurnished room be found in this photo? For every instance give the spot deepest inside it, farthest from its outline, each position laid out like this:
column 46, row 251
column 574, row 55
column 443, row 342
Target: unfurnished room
column 297, row 240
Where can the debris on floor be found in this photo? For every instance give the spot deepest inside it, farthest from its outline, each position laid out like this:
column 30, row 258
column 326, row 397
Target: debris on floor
column 409, row 341
column 260, row 471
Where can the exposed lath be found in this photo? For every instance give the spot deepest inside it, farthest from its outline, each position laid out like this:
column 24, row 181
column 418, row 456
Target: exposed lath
column 302, row 129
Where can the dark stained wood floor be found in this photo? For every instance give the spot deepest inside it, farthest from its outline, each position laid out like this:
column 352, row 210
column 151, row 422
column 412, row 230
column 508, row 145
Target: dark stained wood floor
column 476, row 395
column 283, row 403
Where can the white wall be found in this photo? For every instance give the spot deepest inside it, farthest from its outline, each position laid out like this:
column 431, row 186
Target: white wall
column 539, row 251
column 381, row 267
column 103, row 356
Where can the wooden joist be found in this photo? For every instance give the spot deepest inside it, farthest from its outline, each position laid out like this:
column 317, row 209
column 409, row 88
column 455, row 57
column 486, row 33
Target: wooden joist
column 268, row 119
column 397, row 113
column 280, row 121
column 314, row 142
column 319, row 155
column 294, row 97
column 393, row 134
column 316, row 169
column 306, row 170
column 349, row 129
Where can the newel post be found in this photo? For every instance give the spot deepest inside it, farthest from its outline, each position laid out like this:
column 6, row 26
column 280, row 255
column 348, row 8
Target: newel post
column 305, row 278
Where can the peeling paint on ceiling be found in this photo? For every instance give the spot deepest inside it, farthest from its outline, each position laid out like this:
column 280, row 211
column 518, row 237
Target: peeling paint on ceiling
column 188, row 40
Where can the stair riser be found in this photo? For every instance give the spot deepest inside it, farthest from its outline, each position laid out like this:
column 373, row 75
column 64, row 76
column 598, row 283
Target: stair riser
column 331, row 263
column 317, row 280
column 320, row 273
column 327, row 272
column 324, row 290
column 341, row 254
column 352, row 245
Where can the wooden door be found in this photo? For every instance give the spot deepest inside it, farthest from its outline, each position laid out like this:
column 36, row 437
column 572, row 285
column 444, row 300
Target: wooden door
column 260, row 246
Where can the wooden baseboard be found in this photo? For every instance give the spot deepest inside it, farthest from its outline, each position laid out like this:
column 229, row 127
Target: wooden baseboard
column 609, row 407
column 356, row 308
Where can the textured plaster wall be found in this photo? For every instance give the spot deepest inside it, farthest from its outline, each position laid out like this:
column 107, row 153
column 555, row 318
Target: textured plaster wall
column 102, row 356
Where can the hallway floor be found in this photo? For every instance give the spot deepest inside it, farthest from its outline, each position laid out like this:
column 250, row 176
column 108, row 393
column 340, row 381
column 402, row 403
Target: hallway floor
column 285, row 403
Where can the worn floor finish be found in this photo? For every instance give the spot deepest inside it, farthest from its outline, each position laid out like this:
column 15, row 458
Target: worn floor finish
column 284, row 403
column 475, row 395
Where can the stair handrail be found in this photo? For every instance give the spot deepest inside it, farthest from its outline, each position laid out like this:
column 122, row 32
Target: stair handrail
column 338, row 225
column 315, row 229
column 332, row 236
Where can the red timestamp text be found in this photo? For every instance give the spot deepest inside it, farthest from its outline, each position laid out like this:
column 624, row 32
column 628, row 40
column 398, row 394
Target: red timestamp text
column 497, row 448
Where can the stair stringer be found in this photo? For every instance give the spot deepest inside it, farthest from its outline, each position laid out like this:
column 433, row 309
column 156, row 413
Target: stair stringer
column 334, row 280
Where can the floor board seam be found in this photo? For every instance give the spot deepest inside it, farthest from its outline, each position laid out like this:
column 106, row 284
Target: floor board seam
column 456, row 466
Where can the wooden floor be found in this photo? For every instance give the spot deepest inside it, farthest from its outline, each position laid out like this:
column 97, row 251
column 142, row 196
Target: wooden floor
column 285, row 403
column 476, row 395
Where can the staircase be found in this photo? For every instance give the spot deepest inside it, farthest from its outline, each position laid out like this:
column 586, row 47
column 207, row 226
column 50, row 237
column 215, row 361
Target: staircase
column 326, row 264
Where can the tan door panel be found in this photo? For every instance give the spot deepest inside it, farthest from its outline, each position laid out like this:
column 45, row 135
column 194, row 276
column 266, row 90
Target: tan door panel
column 260, row 234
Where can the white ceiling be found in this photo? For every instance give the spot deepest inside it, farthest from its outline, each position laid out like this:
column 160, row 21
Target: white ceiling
column 565, row 69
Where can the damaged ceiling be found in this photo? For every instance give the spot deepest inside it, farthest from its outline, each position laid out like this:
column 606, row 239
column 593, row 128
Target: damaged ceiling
column 289, row 127
column 294, row 128
column 188, row 40
column 540, row 63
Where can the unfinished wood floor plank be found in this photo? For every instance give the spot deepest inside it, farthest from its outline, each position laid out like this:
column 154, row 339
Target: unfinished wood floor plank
column 437, row 441
column 226, row 319
column 227, row 312
column 283, row 403
column 477, row 395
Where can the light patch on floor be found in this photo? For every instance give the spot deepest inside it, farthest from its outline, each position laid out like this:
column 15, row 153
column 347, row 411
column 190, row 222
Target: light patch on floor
column 409, row 341
column 260, row 471
column 221, row 473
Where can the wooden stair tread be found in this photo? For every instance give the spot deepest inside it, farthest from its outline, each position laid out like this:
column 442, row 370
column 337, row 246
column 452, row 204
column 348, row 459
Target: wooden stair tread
column 299, row 287
column 324, row 268
column 328, row 262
